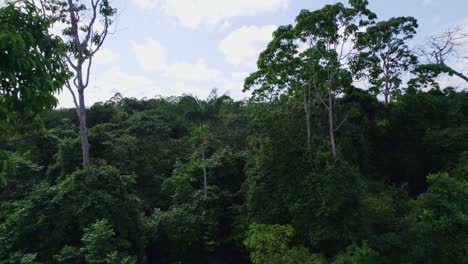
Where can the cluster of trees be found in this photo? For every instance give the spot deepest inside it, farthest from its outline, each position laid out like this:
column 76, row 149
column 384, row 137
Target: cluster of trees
column 311, row 169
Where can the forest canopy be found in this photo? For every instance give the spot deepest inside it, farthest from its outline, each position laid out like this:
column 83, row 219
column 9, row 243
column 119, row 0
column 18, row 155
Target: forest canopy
column 312, row 168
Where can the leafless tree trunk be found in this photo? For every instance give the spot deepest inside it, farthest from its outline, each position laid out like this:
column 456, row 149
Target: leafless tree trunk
column 308, row 114
column 204, row 166
column 203, row 156
column 387, row 85
column 330, row 123
column 83, row 130
column 329, row 103
column 84, row 42
column 329, row 106
column 459, row 74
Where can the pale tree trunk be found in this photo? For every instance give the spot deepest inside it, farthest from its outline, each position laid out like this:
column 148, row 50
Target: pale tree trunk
column 204, row 166
column 307, row 112
column 80, row 83
column 386, row 93
column 330, row 123
column 82, row 48
column 203, row 157
column 83, row 131
column 329, row 107
column 80, row 107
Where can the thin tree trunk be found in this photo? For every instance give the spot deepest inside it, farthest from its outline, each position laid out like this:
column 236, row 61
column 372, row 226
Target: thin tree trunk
column 307, row 112
column 203, row 156
column 459, row 74
column 386, row 93
column 330, row 123
column 387, row 84
column 83, row 131
column 204, row 166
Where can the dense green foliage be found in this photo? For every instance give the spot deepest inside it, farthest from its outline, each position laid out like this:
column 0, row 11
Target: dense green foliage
column 184, row 180
column 268, row 195
column 31, row 69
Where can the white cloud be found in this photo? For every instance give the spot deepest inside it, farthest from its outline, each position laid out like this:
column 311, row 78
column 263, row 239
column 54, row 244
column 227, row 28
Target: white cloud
column 146, row 3
column 234, row 90
column 113, row 80
column 193, row 13
column 226, row 24
column 242, row 46
column 200, row 91
column 151, row 55
column 197, row 71
column 106, row 56
column 239, row 76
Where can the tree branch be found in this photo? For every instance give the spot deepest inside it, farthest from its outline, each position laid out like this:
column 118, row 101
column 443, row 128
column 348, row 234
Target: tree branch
column 73, row 96
column 342, row 122
column 94, row 6
column 88, row 72
column 74, row 26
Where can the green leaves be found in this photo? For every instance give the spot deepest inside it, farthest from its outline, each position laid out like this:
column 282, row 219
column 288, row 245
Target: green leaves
column 439, row 221
column 96, row 240
column 269, row 244
column 39, row 221
column 31, row 65
column 384, row 55
column 98, row 245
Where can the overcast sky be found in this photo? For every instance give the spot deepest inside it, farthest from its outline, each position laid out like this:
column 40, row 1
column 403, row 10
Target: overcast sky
column 172, row 47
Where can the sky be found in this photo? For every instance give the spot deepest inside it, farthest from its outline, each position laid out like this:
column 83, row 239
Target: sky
column 175, row 47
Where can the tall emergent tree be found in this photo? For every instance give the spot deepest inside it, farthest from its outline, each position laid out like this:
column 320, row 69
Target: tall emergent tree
column 87, row 24
column 312, row 59
column 281, row 73
column 330, row 32
column 202, row 114
column 384, row 54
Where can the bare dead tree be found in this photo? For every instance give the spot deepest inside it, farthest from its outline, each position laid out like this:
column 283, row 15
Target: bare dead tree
column 87, row 24
column 442, row 47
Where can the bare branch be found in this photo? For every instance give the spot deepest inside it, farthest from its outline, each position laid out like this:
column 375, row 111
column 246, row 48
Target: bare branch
column 94, row 6
column 75, row 31
column 342, row 122
column 75, row 82
column 442, row 46
column 88, row 72
column 101, row 41
column 70, row 61
column 73, row 96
